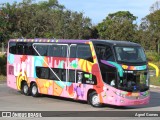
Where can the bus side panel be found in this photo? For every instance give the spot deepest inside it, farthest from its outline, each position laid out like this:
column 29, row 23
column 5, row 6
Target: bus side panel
column 61, row 87
column 19, row 67
column 75, row 91
column 23, row 67
column 11, row 78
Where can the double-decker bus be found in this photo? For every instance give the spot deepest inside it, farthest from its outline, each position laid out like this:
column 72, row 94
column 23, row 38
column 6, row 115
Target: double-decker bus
column 97, row 71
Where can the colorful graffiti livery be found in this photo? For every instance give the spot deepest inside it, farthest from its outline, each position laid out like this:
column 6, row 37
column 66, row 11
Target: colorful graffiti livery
column 79, row 69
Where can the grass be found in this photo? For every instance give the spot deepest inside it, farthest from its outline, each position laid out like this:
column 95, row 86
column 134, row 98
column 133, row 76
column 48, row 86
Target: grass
column 155, row 81
column 2, row 78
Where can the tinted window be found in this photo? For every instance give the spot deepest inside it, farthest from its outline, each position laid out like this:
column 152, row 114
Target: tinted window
column 64, row 50
column 61, row 73
column 54, row 51
column 130, row 54
column 12, row 47
column 20, row 48
column 47, row 73
column 42, row 49
column 52, row 76
column 104, row 52
column 42, row 72
column 71, row 76
column 84, row 52
column 73, row 51
column 28, row 49
column 57, row 50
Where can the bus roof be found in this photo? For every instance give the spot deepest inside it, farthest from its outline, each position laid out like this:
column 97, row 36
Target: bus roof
column 115, row 42
column 50, row 40
column 96, row 41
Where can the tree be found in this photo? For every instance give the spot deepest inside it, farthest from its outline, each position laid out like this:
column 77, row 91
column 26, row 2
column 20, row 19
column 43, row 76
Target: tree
column 118, row 26
column 47, row 19
column 151, row 28
column 8, row 20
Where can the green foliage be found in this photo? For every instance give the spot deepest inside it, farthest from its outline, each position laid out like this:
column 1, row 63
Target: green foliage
column 2, row 78
column 3, row 63
column 39, row 20
column 155, row 81
column 118, row 26
column 49, row 19
column 153, row 56
column 150, row 27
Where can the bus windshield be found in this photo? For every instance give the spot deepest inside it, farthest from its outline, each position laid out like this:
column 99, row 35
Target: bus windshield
column 130, row 54
column 134, row 81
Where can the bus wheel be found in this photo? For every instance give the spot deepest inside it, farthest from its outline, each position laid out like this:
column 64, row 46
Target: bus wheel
column 34, row 90
column 94, row 99
column 25, row 89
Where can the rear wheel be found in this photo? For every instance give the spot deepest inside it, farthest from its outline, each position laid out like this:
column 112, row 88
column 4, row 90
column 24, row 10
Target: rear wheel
column 25, row 89
column 34, row 90
column 94, row 99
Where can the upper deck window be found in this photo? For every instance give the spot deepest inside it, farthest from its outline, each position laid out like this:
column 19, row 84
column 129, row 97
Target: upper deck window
column 42, row 49
column 84, row 52
column 21, row 48
column 12, row 47
column 73, row 49
column 57, row 50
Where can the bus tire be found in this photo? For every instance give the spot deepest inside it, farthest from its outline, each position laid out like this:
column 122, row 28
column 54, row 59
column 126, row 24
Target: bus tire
column 34, row 90
column 94, row 99
column 25, row 89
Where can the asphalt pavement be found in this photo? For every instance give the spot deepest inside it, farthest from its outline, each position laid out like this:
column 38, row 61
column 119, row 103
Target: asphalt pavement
column 13, row 101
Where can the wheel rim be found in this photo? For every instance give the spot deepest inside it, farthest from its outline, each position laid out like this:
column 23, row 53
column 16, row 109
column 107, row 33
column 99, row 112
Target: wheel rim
column 34, row 90
column 25, row 89
column 95, row 100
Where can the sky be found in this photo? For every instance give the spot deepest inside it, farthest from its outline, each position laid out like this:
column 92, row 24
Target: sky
column 98, row 10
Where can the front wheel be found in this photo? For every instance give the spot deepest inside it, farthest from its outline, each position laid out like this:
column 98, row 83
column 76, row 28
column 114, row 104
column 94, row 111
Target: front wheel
column 94, row 99
column 34, row 90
